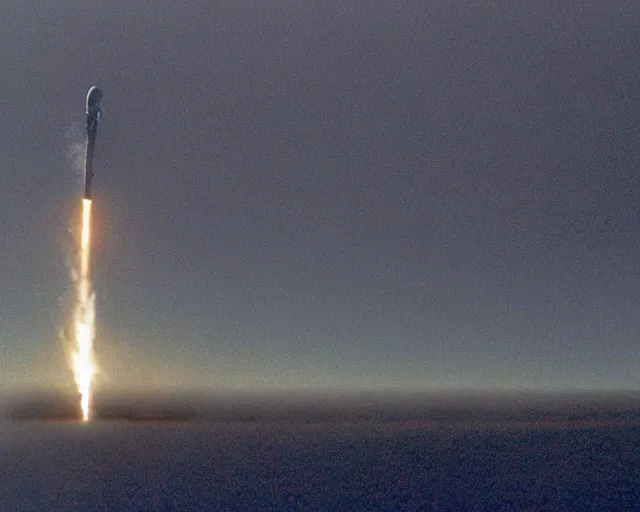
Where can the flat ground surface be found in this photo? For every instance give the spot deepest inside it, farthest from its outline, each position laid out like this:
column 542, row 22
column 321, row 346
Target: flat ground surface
column 575, row 457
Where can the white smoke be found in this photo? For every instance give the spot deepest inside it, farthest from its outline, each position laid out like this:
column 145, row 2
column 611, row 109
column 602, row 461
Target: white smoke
column 75, row 147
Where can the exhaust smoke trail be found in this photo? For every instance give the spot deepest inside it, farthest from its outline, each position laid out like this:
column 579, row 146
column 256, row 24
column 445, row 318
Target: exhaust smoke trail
column 84, row 314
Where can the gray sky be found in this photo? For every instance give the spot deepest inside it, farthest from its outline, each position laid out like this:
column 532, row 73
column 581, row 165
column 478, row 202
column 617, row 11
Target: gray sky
column 307, row 194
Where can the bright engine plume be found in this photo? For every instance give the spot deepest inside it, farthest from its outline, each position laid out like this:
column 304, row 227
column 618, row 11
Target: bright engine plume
column 84, row 320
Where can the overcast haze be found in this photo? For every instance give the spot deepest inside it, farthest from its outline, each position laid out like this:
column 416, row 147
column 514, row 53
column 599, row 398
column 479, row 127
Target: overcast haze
column 350, row 194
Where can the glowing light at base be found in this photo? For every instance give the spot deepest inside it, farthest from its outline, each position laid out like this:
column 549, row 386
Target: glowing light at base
column 84, row 318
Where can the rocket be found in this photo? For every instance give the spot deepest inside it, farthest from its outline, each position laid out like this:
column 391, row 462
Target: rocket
column 94, row 114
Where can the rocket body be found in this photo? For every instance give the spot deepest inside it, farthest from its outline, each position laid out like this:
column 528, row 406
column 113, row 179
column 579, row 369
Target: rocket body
column 84, row 319
column 94, row 114
column 88, row 163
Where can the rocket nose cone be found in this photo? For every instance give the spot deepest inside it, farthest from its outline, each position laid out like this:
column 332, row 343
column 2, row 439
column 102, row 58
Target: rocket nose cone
column 94, row 96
